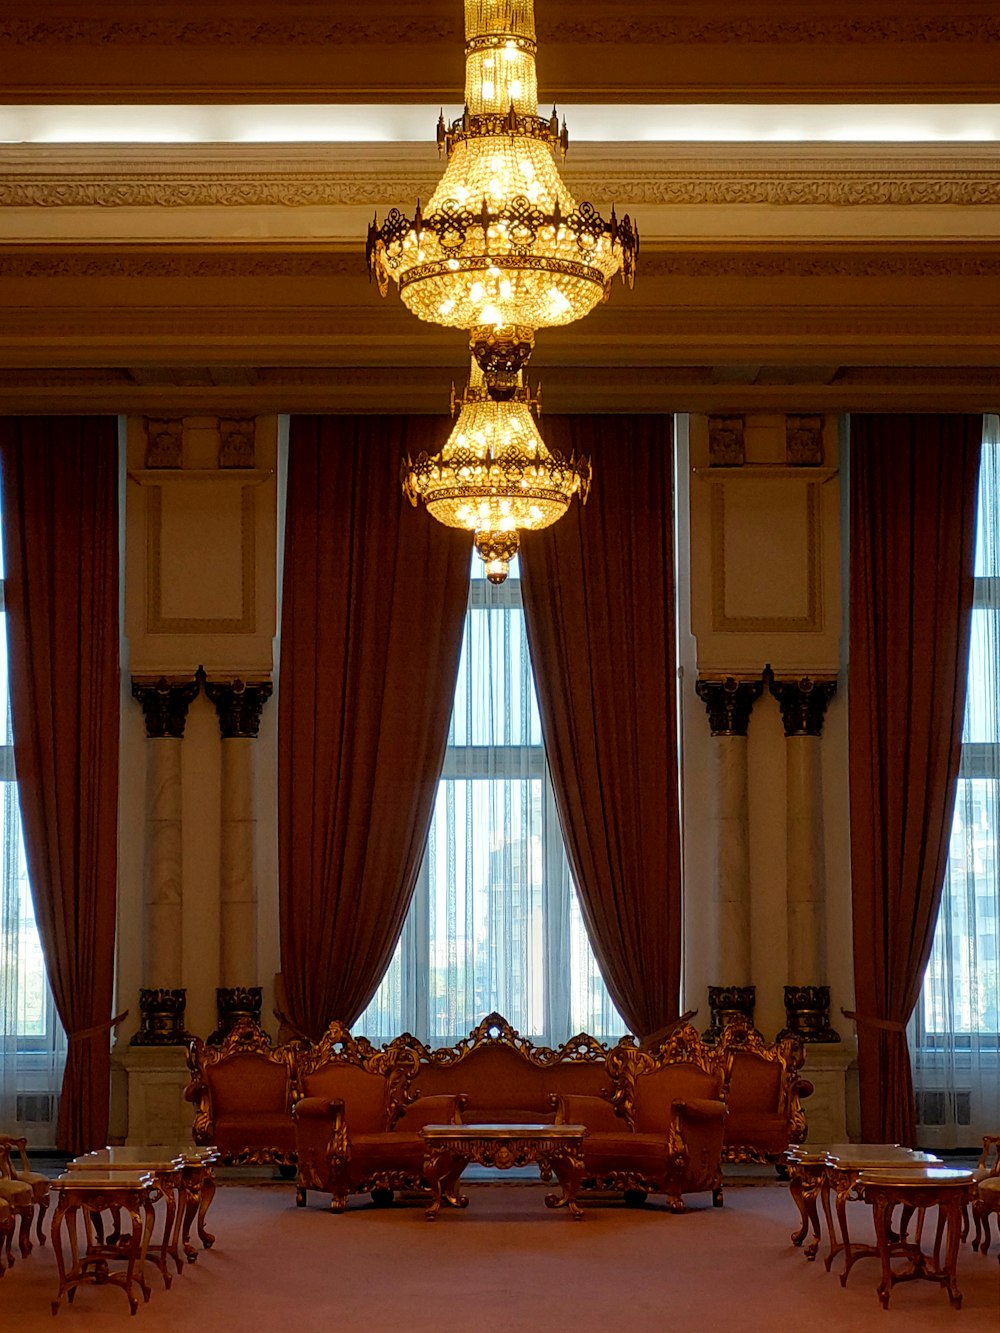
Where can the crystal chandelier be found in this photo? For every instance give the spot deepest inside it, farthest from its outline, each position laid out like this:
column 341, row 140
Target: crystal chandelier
column 501, row 249
column 495, row 475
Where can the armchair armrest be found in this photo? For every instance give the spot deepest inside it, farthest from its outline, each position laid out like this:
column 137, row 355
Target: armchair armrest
column 318, row 1108
column 701, row 1108
column 805, row 1088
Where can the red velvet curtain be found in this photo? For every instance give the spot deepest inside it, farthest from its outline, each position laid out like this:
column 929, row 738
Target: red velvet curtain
column 374, row 599
column 60, row 530
column 599, row 605
column 913, row 506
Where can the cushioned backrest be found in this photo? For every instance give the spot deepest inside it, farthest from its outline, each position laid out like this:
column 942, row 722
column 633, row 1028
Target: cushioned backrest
column 754, row 1083
column 656, row 1092
column 247, row 1083
column 492, row 1077
column 581, row 1078
column 363, row 1095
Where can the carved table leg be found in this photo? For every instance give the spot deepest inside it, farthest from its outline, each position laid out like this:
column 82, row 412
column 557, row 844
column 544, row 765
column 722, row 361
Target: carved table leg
column 567, row 1167
column 441, row 1170
column 208, row 1188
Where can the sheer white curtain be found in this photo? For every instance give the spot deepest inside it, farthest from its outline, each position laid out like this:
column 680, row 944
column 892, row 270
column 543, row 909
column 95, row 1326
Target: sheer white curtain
column 955, row 1035
column 32, row 1045
column 494, row 923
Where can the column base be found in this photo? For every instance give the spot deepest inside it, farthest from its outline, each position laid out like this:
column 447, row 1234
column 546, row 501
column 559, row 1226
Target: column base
column 726, row 1004
column 807, row 1014
column 161, row 1017
column 233, row 1003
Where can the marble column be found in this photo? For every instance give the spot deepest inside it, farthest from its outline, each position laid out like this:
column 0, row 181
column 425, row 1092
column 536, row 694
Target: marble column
column 239, row 705
column 729, row 703
column 803, row 704
column 162, row 1000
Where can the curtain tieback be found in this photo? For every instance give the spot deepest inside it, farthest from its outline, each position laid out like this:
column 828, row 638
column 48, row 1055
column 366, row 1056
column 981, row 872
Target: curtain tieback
column 85, row 1033
column 869, row 1020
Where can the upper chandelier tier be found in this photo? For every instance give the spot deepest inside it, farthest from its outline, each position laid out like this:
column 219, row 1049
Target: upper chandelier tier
column 502, row 248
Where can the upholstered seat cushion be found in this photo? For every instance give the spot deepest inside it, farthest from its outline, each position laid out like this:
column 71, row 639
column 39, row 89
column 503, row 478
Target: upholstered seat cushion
column 766, row 1131
column 595, row 1112
column 390, row 1150
column 440, row 1110
column 254, row 1130
column 645, row 1154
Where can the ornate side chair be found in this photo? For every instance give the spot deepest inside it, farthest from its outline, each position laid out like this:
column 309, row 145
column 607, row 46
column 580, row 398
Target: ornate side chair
column 987, row 1200
column 21, row 1170
column 357, row 1124
column 660, row 1131
column 763, row 1091
column 6, row 1235
column 242, row 1092
column 18, row 1195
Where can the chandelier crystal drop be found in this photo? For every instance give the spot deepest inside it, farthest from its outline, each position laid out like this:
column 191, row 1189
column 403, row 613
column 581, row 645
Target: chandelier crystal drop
column 495, row 476
column 502, row 248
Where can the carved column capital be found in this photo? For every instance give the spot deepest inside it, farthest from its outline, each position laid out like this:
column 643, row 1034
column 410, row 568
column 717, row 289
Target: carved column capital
column 239, row 704
column 729, row 703
column 164, row 705
column 802, row 702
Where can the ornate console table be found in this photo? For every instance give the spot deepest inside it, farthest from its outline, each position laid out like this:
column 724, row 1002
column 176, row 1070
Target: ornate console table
column 91, row 1193
column 450, row 1148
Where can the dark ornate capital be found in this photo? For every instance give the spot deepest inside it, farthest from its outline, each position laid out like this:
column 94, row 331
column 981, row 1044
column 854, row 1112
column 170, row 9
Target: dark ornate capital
column 234, row 1003
column 802, row 702
column 239, row 705
column 161, row 1012
column 729, row 703
column 729, row 1004
column 164, row 705
column 807, row 1014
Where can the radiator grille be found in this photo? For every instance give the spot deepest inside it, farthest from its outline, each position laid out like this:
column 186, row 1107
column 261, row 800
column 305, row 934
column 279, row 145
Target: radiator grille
column 35, row 1108
column 941, row 1107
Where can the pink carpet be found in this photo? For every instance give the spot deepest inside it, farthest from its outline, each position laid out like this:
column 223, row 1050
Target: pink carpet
column 506, row 1265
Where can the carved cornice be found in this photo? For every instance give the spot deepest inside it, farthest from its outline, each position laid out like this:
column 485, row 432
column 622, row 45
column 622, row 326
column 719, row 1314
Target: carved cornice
column 803, row 702
column 164, row 705
column 728, row 703
column 239, row 705
column 27, row 188
column 558, row 23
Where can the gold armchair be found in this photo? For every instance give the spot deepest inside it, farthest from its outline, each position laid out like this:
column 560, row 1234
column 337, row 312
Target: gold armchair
column 660, row 1131
column 22, row 1172
column 19, row 1197
column 357, row 1124
column 763, row 1091
column 987, row 1200
column 242, row 1092
column 6, row 1235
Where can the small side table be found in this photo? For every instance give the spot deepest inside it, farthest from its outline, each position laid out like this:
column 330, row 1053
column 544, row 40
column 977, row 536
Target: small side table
column 92, row 1193
column 450, row 1148
column 950, row 1191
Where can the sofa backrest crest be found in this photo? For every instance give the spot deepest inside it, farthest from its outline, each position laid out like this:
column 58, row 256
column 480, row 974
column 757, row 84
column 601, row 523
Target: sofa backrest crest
column 504, row 1076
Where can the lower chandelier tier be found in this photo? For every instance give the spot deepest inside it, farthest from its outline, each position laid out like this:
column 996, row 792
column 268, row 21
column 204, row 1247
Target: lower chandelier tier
column 495, row 476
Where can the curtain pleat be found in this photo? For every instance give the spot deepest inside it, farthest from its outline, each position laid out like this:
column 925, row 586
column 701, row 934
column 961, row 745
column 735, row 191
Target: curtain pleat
column 913, row 485
column 598, row 592
column 60, row 528
column 373, row 602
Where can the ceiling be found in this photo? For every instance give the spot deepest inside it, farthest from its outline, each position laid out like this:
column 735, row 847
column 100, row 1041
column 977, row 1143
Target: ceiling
column 814, row 274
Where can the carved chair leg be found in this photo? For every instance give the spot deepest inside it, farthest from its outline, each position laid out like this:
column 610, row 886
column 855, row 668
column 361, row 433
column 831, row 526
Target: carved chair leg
column 43, row 1205
column 338, row 1203
column 717, row 1197
column 676, row 1204
column 300, row 1197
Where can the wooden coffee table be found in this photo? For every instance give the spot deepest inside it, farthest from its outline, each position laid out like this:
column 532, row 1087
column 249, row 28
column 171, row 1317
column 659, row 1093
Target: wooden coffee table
column 90, row 1193
column 449, row 1149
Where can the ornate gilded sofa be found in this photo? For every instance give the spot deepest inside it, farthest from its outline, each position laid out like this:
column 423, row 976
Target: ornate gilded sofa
column 659, row 1129
column 503, row 1078
column 357, row 1121
column 242, row 1091
column 763, row 1091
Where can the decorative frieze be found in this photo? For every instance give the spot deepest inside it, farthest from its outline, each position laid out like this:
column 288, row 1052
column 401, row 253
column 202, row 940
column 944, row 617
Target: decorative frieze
column 802, row 701
column 804, row 441
column 236, row 442
column 164, row 442
column 729, row 703
column 239, row 705
column 726, row 446
column 164, row 705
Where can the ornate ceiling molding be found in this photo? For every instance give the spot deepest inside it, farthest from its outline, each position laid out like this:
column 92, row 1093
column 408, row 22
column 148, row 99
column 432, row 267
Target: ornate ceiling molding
column 559, row 22
column 355, row 176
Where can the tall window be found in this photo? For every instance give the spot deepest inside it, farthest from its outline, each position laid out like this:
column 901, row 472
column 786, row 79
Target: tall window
column 956, row 1033
column 494, row 923
column 32, row 1047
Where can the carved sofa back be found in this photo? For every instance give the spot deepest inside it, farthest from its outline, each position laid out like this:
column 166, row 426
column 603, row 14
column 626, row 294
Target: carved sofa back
column 504, row 1078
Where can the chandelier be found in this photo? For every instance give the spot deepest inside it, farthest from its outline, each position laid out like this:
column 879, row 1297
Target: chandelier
column 495, row 475
column 501, row 249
